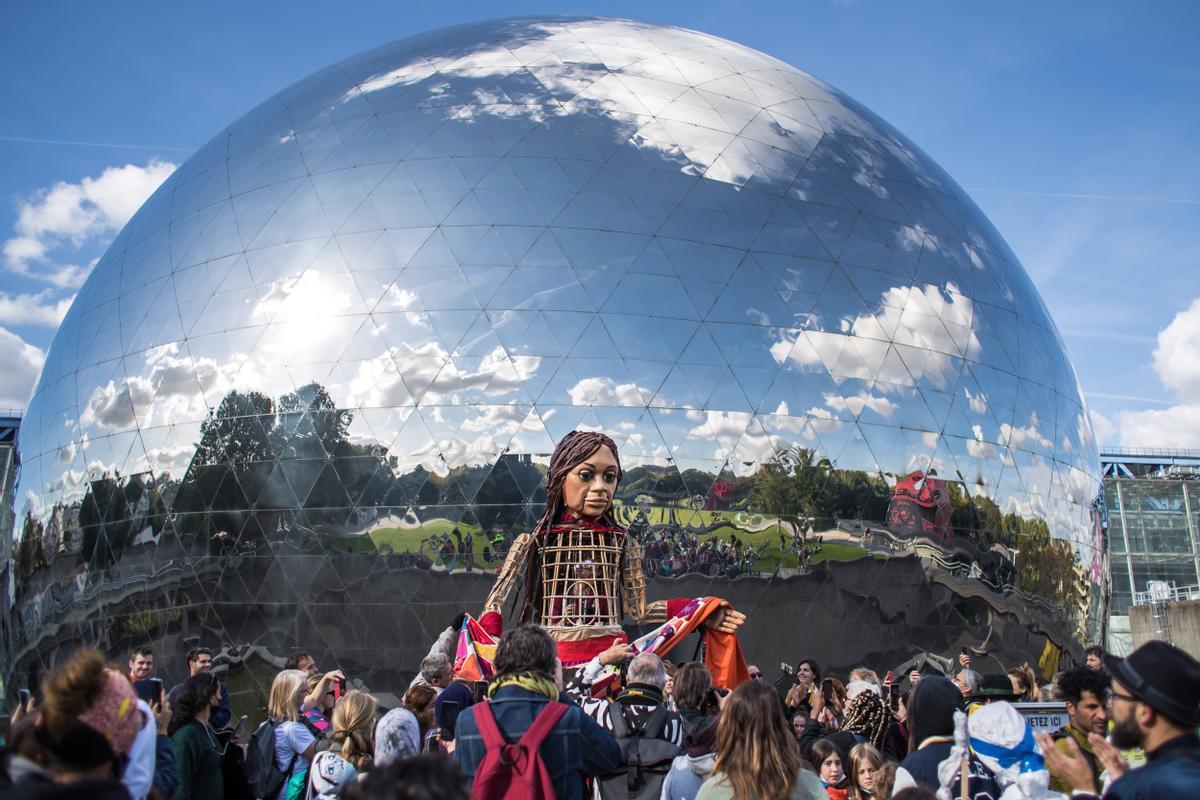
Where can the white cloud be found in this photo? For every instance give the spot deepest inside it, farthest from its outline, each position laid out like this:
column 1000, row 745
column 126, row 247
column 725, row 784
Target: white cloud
column 641, row 91
column 1177, row 356
column 855, row 403
column 978, row 402
column 20, row 363
column 1025, row 437
column 1177, row 364
column 72, row 215
column 935, row 323
column 172, row 388
column 426, row 373
column 33, row 309
column 1174, row 427
column 607, row 392
column 979, row 447
column 1102, row 427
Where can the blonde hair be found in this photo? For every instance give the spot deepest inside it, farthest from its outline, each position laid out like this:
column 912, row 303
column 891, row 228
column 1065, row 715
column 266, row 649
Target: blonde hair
column 885, row 780
column 756, row 751
column 860, row 754
column 354, row 726
column 865, row 674
column 282, row 705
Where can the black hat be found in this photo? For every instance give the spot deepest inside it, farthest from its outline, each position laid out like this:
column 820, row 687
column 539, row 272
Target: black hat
column 1163, row 677
column 996, row 686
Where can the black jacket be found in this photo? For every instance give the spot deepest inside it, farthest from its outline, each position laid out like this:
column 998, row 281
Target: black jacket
column 1173, row 770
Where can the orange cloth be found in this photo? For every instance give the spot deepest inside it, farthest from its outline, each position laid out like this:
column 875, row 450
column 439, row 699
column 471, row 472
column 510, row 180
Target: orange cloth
column 722, row 651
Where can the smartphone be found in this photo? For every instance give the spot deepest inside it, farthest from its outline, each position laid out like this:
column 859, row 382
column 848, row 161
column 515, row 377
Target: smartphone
column 148, row 690
column 889, row 679
column 966, row 651
column 23, row 695
column 339, row 689
column 241, row 723
column 481, row 690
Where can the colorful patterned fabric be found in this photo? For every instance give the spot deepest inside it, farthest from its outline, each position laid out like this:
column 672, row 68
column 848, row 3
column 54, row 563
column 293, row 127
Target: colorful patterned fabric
column 475, row 653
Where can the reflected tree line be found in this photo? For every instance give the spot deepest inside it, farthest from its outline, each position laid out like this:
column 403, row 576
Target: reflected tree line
column 267, row 467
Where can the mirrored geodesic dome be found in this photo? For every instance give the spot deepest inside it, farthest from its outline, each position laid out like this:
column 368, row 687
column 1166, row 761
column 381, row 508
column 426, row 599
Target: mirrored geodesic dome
column 307, row 397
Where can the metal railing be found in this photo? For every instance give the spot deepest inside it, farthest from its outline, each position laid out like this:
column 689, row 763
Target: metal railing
column 1165, row 592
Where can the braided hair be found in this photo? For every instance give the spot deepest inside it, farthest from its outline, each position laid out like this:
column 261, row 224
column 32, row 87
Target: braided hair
column 571, row 451
column 867, row 717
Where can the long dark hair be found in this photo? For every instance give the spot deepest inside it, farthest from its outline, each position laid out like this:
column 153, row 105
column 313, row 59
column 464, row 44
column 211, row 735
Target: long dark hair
column 194, row 697
column 571, row 451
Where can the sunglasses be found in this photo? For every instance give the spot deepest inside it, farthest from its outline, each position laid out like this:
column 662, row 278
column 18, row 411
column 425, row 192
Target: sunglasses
column 756, row 676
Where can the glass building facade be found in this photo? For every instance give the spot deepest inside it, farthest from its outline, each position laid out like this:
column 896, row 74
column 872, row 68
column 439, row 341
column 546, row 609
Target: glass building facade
column 1153, row 502
column 308, row 396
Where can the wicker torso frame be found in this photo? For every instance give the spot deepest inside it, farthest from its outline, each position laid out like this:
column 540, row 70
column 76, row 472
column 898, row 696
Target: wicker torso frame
column 581, row 578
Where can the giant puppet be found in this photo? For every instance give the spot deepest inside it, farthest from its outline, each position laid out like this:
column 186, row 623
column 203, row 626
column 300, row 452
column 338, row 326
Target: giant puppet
column 579, row 574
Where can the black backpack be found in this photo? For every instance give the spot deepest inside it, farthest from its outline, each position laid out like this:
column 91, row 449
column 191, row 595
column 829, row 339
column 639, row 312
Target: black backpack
column 262, row 773
column 647, row 757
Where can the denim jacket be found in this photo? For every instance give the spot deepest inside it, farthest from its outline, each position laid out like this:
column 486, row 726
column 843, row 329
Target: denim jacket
column 577, row 748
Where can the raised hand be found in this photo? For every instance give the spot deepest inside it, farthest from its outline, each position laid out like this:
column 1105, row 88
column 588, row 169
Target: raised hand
column 1109, row 756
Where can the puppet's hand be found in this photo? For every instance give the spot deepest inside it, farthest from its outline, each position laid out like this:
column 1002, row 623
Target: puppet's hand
column 726, row 621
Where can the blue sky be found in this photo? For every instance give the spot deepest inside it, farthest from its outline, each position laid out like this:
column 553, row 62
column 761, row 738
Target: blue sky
column 1074, row 126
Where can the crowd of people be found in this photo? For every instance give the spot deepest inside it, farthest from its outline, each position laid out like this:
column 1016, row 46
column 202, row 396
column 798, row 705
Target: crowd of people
column 662, row 731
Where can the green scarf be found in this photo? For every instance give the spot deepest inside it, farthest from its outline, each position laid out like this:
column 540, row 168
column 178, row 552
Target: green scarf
column 527, row 681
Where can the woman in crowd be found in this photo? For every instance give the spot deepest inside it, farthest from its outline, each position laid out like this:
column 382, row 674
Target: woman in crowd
column 827, row 761
column 1024, row 683
column 446, row 708
column 295, row 745
column 317, row 716
column 694, row 697
column 353, row 729
column 697, row 705
column 197, row 751
column 757, row 757
column 866, row 716
column 86, row 725
column 419, row 700
column 804, row 692
column 866, row 762
column 397, row 736
column 833, row 695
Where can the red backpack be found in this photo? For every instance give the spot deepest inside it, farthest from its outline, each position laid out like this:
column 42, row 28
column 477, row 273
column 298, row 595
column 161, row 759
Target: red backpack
column 514, row 771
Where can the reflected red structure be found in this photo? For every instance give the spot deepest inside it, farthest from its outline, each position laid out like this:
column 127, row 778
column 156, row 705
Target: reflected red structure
column 920, row 506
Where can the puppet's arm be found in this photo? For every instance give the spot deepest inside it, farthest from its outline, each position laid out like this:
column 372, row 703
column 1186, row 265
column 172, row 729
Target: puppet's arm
column 506, row 579
column 633, row 581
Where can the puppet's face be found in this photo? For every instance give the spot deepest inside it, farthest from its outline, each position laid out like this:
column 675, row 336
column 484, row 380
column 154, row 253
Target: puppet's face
column 589, row 486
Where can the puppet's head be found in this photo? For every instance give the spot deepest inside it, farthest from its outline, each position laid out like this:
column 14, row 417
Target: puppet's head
column 572, row 451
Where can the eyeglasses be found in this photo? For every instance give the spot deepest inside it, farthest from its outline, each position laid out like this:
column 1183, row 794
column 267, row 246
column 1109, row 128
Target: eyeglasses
column 756, row 676
column 1118, row 696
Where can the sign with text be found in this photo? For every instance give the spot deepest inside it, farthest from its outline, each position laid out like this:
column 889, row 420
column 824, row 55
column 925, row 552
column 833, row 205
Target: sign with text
column 1045, row 717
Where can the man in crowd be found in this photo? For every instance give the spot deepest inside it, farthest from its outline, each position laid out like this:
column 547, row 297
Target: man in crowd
column 576, row 748
column 141, row 663
column 199, row 659
column 436, row 672
column 1086, row 693
column 1156, row 706
column 1095, row 658
column 645, row 679
column 303, row 662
